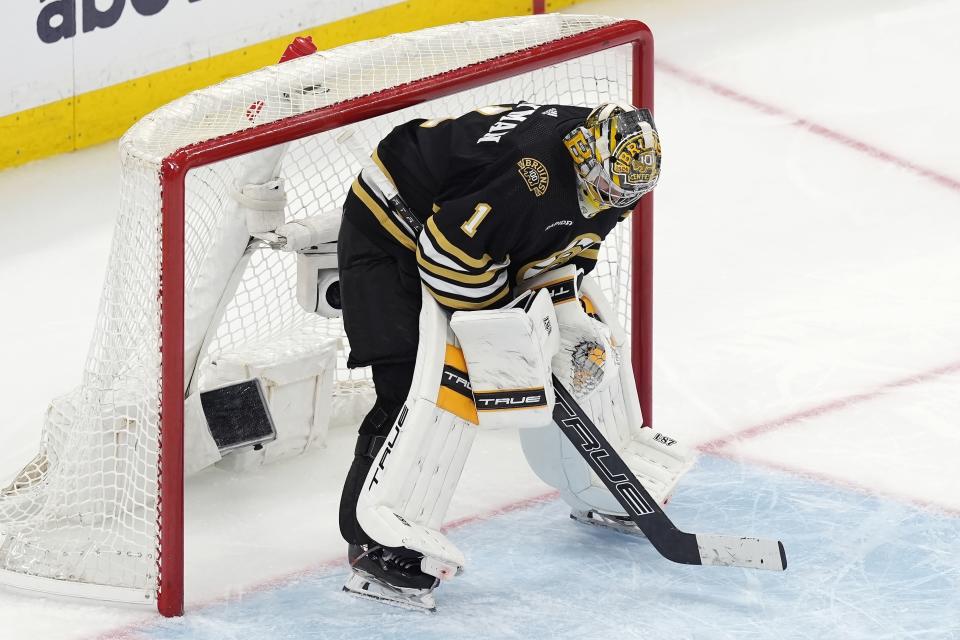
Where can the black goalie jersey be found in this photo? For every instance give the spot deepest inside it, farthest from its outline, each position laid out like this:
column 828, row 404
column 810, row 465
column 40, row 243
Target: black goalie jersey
column 498, row 196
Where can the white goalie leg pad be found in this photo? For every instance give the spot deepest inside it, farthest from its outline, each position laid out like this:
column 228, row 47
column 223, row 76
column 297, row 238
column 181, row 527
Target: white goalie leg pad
column 594, row 365
column 509, row 353
column 407, row 492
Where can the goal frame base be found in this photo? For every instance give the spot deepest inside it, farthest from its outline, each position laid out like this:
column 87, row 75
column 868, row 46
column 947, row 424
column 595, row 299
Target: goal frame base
column 40, row 586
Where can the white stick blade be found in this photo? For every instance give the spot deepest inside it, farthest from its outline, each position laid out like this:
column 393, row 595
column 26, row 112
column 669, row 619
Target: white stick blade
column 752, row 553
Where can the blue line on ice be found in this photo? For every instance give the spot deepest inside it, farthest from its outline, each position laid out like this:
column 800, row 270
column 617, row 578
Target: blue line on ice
column 859, row 567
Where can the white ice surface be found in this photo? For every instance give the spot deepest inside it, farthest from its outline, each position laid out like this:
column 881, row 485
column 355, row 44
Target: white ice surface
column 794, row 274
column 903, row 443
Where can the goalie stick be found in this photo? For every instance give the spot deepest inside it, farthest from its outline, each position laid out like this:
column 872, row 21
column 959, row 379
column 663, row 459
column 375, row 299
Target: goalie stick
column 670, row 542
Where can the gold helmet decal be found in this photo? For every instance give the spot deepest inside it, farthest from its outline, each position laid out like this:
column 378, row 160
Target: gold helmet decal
column 636, row 162
column 617, row 156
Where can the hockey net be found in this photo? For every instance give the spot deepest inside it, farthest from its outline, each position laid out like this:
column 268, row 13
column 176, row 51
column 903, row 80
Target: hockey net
column 98, row 512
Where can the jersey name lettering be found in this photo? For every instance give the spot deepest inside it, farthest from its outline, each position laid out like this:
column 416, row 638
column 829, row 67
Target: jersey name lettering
column 508, row 122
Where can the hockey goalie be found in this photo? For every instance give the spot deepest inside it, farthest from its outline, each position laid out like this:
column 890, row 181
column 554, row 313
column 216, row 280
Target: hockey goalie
column 464, row 255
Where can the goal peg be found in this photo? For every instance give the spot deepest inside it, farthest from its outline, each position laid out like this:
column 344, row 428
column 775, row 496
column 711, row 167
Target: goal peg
column 301, row 46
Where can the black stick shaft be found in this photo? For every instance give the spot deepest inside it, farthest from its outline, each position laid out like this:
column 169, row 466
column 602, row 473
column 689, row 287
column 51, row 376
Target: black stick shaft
column 672, row 543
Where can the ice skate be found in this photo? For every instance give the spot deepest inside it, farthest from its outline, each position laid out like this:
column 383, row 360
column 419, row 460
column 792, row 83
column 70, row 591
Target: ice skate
column 392, row 576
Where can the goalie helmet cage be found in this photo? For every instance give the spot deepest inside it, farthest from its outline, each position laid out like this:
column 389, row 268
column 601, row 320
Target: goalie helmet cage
column 100, row 513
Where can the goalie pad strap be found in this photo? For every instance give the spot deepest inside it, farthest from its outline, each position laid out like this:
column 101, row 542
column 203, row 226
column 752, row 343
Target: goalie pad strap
column 368, row 446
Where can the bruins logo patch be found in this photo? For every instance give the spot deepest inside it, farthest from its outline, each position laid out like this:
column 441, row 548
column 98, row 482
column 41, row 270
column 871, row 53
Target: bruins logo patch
column 535, row 175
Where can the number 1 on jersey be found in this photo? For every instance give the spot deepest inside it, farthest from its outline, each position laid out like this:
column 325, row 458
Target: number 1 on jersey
column 479, row 213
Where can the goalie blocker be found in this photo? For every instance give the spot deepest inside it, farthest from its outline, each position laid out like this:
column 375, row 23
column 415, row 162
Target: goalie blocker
column 508, row 354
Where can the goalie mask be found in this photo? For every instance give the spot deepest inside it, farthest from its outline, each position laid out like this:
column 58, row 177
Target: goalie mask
column 617, row 156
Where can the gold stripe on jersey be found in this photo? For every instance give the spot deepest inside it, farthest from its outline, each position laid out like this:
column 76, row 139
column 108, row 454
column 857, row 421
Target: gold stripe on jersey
column 584, row 245
column 377, row 161
column 430, row 124
column 463, row 305
column 441, row 242
column 492, row 110
column 456, row 276
column 591, row 254
column 382, row 216
column 462, row 291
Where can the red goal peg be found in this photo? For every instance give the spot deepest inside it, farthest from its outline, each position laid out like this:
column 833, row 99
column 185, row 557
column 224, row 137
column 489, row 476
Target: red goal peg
column 301, row 46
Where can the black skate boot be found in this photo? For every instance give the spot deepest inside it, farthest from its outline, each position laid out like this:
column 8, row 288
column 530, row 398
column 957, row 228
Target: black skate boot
column 392, row 575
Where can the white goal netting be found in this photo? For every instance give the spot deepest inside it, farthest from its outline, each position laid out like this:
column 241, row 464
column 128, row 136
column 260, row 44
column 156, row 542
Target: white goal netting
column 84, row 512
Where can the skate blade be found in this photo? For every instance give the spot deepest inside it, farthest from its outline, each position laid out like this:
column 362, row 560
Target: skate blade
column 597, row 520
column 362, row 586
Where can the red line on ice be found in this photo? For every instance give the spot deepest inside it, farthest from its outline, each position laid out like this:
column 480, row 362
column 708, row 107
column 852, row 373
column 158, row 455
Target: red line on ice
column 714, row 446
column 808, row 125
column 134, row 630
column 848, row 485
